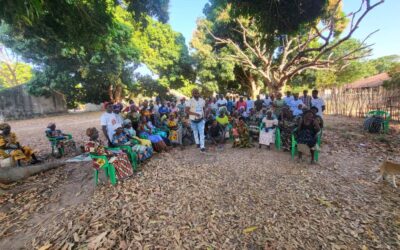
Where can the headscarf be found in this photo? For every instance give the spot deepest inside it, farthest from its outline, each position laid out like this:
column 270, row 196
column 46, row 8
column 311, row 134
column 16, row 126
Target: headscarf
column 127, row 121
column 90, row 131
column 51, row 124
column 117, row 106
column 4, row 126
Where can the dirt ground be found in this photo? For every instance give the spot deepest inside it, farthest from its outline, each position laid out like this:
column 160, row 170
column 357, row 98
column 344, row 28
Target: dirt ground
column 221, row 199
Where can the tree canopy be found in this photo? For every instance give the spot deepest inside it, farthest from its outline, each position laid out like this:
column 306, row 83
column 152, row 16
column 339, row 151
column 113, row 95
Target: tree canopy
column 270, row 59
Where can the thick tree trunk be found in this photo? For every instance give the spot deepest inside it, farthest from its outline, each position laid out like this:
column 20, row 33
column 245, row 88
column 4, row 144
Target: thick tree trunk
column 13, row 174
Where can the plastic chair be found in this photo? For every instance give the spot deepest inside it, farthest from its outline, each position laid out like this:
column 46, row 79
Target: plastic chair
column 133, row 158
column 107, row 167
column 278, row 143
column 386, row 117
column 294, row 145
column 54, row 141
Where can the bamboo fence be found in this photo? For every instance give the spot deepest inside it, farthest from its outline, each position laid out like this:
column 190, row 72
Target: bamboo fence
column 358, row 102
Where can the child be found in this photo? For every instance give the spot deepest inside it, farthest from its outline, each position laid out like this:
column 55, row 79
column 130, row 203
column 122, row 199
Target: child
column 121, row 138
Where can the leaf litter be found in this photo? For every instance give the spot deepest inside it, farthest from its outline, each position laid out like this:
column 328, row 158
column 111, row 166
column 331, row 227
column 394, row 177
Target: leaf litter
column 230, row 199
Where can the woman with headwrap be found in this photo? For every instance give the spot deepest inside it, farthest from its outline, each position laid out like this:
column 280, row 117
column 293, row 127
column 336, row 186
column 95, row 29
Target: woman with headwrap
column 62, row 140
column 306, row 133
column 119, row 159
column 286, row 124
column 146, row 132
column 10, row 147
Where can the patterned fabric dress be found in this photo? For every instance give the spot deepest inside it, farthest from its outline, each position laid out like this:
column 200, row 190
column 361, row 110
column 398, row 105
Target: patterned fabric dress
column 254, row 124
column 243, row 139
column 142, row 151
column 62, row 140
column 175, row 132
column 267, row 134
column 287, row 126
column 278, row 105
column 24, row 153
column 119, row 159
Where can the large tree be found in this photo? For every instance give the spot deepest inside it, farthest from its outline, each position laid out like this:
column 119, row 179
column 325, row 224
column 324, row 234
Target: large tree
column 274, row 58
column 84, row 60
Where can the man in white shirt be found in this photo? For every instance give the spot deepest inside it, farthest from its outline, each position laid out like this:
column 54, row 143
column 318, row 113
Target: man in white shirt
column 195, row 110
column 108, row 121
column 221, row 102
column 288, row 98
column 249, row 104
column 294, row 104
column 267, row 101
column 317, row 102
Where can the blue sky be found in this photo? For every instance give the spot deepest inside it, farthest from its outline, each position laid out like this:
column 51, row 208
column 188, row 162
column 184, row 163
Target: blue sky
column 386, row 18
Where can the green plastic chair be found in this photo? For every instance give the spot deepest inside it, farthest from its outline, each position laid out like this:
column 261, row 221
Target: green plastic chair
column 294, row 145
column 133, row 157
column 107, row 167
column 53, row 142
column 278, row 142
column 386, row 117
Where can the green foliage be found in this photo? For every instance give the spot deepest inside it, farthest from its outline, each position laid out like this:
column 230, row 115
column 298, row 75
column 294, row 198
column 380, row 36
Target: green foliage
column 394, row 82
column 281, row 16
column 13, row 74
column 81, row 48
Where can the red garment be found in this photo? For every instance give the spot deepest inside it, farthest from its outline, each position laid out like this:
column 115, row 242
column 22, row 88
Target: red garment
column 119, row 160
column 240, row 104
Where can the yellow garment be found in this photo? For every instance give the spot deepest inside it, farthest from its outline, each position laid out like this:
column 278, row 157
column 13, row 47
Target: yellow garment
column 143, row 142
column 172, row 124
column 24, row 153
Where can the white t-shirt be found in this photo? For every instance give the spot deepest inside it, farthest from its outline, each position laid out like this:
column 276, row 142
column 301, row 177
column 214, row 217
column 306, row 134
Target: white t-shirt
column 267, row 101
column 287, row 100
column 222, row 102
column 318, row 103
column 110, row 121
column 294, row 104
column 196, row 106
column 250, row 105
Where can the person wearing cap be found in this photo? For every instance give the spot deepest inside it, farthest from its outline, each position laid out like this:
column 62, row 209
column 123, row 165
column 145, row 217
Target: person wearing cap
column 107, row 121
column 195, row 110
column 10, row 147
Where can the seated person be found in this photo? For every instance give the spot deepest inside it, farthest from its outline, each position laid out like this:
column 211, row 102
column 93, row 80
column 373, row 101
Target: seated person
column 119, row 159
column 253, row 123
column 62, row 140
column 267, row 133
column 175, row 130
column 10, row 147
column 131, row 132
column 307, row 133
column 317, row 117
column 120, row 138
column 242, row 137
column 216, row 134
column 223, row 120
column 145, row 132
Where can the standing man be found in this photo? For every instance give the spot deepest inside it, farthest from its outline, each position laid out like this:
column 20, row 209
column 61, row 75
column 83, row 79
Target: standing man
column 108, row 121
column 306, row 99
column 288, row 98
column 267, row 101
column 195, row 110
column 317, row 102
column 222, row 103
column 230, row 104
column 250, row 104
column 258, row 103
column 295, row 103
column 241, row 104
column 182, row 107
